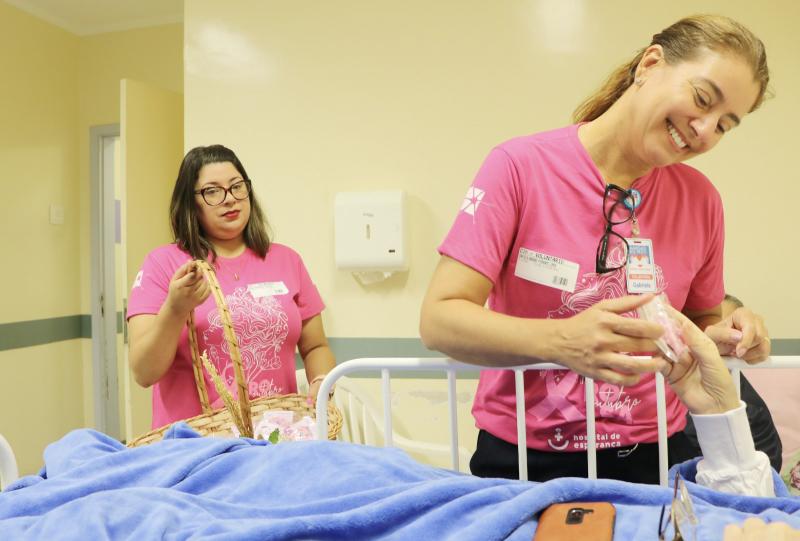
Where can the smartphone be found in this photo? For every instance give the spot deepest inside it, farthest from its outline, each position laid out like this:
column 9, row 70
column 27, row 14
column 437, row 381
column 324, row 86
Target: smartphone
column 576, row 521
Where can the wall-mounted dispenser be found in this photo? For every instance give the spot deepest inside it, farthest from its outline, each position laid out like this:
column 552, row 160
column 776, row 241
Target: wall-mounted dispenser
column 370, row 234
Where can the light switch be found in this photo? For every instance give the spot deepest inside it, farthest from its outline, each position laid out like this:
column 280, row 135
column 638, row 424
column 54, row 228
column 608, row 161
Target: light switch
column 56, row 214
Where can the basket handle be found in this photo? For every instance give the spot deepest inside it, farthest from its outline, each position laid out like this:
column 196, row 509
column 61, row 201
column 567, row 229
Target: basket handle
column 197, row 365
column 233, row 347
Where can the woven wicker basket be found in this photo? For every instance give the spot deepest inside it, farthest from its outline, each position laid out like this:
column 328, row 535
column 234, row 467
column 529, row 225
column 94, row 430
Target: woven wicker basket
column 219, row 422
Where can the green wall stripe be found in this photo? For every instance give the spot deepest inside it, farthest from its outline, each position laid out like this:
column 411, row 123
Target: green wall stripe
column 345, row 349
column 39, row 331
column 86, row 326
column 786, row 346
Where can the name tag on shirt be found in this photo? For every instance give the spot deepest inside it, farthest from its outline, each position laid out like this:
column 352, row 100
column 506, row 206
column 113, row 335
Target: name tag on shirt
column 547, row 270
column 640, row 272
column 267, row 289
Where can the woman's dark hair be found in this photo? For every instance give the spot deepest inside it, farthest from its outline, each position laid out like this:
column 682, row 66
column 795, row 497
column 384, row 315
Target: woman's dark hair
column 685, row 40
column 186, row 230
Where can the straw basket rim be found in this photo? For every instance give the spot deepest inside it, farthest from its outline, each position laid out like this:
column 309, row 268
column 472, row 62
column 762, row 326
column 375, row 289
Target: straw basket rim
column 219, row 421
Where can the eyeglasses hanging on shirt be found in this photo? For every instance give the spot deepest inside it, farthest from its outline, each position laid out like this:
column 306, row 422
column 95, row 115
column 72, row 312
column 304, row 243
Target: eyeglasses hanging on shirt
column 619, row 207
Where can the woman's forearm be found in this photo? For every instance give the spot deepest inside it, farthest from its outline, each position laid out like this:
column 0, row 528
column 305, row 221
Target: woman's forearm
column 153, row 344
column 473, row 334
column 319, row 361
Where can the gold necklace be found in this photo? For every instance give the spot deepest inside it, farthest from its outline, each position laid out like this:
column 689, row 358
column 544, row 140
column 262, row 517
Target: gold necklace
column 235, row 272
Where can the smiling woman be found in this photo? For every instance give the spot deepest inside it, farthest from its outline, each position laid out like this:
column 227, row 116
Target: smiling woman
column 676, row 98
column 549, row 249
column 273, row 303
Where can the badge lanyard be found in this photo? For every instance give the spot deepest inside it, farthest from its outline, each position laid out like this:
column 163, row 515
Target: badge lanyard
column 632, row 202
column 640, row 271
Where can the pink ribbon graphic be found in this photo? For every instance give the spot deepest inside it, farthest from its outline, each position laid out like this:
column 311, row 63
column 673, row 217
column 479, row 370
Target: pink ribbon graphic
column 556, row 397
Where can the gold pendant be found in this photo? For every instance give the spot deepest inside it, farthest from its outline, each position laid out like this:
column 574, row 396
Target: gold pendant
column 635, row 227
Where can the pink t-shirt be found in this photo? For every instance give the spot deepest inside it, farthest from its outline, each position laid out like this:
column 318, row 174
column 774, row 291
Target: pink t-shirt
column 268, row 300
column 543, row 193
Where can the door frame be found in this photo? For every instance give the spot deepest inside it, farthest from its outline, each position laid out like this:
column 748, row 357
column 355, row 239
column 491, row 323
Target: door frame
column 105, row 387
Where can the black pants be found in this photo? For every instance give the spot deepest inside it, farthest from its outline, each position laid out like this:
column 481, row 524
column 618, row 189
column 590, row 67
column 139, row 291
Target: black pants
column 495, row 457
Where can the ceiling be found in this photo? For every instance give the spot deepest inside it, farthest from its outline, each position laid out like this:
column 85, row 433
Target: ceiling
column 85, row 17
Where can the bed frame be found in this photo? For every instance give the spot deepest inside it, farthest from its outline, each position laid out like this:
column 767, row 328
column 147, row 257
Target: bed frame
column 451, row 367
column 8, row 464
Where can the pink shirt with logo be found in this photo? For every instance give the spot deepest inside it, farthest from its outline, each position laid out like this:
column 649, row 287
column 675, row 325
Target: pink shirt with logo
column 543, row 193
column 268, row 300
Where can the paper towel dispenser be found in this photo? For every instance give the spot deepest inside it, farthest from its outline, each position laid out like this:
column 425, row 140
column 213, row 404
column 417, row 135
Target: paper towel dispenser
column 370, row 231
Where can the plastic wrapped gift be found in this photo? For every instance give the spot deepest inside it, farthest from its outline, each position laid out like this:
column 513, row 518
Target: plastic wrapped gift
column 671, row 344
column 277, row 425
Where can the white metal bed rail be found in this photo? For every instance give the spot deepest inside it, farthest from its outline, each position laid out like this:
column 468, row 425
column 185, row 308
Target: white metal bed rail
column 8, row 464
column 450, row 366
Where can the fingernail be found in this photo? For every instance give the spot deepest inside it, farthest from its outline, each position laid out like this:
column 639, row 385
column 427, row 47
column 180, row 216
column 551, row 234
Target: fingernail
column 736, row 335
column 740, row 352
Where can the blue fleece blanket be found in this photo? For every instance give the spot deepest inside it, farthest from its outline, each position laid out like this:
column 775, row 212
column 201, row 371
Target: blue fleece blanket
column 199, row 488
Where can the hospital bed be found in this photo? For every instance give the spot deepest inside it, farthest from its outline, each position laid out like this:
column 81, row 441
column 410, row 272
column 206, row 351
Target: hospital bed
column 92, row 487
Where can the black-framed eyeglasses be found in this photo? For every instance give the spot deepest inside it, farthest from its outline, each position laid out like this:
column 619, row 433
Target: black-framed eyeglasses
column 215, row 195
column 616, row 212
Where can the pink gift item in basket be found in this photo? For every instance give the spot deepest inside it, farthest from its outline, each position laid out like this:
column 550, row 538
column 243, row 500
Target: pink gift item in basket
column 291, row 426
column 671, row 344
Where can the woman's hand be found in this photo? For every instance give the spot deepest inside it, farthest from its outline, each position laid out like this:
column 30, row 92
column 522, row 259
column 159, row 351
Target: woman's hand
column 153, row 338
column 592, row 343
column 700, row 378
column 741, row 334
column 187, row 289
column 313, row 391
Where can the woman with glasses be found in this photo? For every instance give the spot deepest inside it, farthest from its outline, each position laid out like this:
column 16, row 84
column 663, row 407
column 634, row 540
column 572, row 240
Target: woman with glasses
column 561, row 230
column 273, row 303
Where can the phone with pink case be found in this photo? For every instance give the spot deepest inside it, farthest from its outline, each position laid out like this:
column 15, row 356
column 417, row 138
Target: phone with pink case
column 671, row 344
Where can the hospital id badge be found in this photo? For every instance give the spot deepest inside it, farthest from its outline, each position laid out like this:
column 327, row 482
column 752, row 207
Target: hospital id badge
column 546, row 270
column 640, row 271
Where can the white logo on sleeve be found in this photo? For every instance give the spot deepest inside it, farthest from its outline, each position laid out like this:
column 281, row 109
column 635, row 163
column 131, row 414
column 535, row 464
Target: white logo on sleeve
column 472, row 200
column 137, row 282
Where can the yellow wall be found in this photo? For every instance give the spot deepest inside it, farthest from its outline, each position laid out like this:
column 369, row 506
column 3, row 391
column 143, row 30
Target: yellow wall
column 153, row 55
column 38, row 150
column 40, row 398
column 40, row 388
column 152, row 147
column 412, row 95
